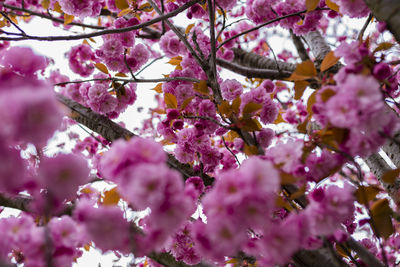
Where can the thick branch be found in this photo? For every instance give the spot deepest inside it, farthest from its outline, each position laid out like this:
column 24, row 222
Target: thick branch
column 254, row 73
column 369, row 259
column 379, row 166
column 256, row 61
column 392, row 149
column 318, row 45
column 19, row 203
column 166, row 259
column 299, row 46
column 317, row 258
column 113, row 131
column 389, row 12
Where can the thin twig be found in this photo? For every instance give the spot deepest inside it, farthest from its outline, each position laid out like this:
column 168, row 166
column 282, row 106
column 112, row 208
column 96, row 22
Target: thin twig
column 13, row 23
column 149, row 64
column 361, row 34
column 105, row 32
column 167, row 79
column 233, row 154
column 178, row 33
column 208, row 119
column 264, row 24
column 37, row 14
column 213, row 55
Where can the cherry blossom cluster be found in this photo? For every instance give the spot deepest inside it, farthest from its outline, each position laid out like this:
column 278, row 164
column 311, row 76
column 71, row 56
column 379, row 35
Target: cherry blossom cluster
column 138, row 168
column 355, row 102
column 242, row 216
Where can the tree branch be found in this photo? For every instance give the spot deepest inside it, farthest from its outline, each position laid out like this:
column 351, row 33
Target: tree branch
column 299, row 47
column 104, row 32
column 318, row 46
column 19, row 203
column 113, row 131
column 253, row 73
column 389, row 12
column 166, row 259
column 379, row 167
column 256, row 61
column 37, row 14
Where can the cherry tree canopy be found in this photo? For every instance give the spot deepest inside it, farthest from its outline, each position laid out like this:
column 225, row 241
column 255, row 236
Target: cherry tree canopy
column 252, row 156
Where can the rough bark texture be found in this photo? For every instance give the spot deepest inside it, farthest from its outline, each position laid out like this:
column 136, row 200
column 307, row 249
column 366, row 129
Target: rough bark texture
column 167, row 259
column 316, row 258
column 389, row 12
column 364, row 254
column 19, row 203
column 298, row 43
column 318, row 46
column 252, row 72
column 379, row 166
column 256, row 61
column 392, row 149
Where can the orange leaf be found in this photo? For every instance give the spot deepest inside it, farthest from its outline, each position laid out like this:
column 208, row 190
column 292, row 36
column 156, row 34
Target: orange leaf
column 188, row 28
column 311, row 5
column 57, row 8
column 146, row 7
column 158, row 88
column 68, row 19
column 250, row 150
column 299, row 88
column 391, row 176
column 311, row 102
column 120, row 74
column 287, row 178
column 121, row 4
column 251, row 107
column 332, row 5
column 327, row 94
column 383, row 46
column 231, row 135
column 124, row 12
column 249, row 125
column 381, row 217
column 101, row 67
column 46, row 4
column 111, row 197
column 225, row 108
column 236, row 104
column 279, row 119
column 170, row 100
column 365, row 194
column 175, row 61
column 201, row 87
column 303, row 71
column 306, row 68
column 329, row 60
column 186, row 102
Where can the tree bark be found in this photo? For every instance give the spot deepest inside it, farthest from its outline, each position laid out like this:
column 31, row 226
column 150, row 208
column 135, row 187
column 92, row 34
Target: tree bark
column 256, row 61
column 379, row 167
column 389, row 12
